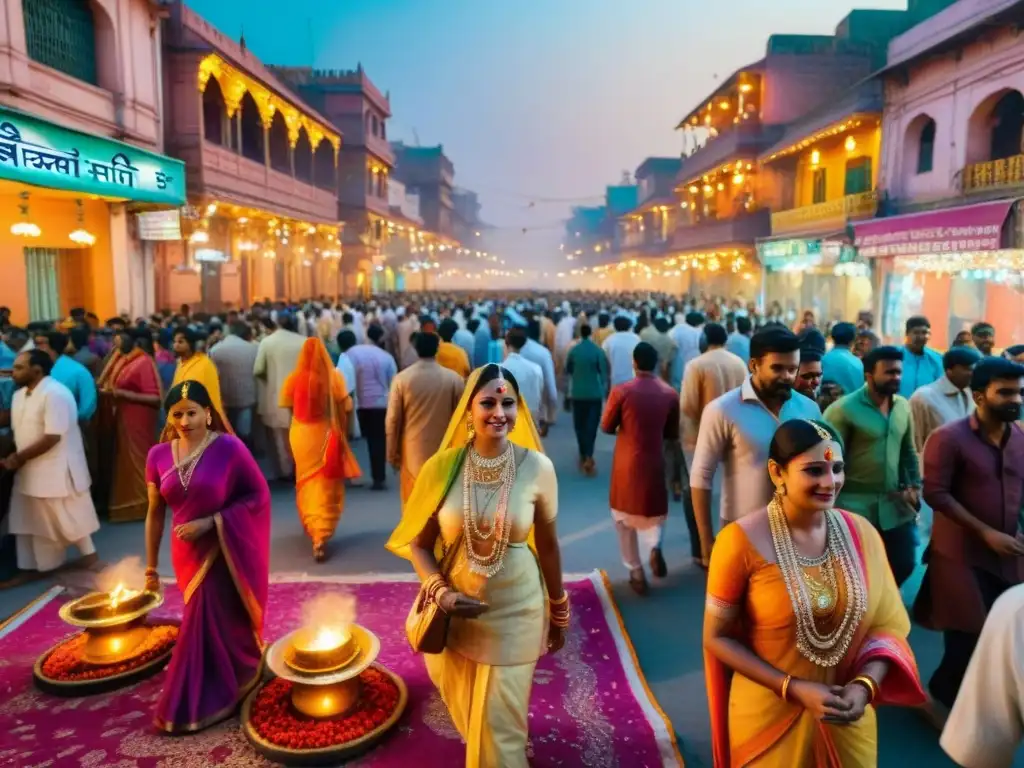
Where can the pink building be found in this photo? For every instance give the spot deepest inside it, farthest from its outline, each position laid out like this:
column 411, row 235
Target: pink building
column 262, row 221
column 953, row 171
column 80, row 137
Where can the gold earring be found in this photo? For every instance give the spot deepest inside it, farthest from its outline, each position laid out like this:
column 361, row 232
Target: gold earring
column 209, row 419
column 782, row 489
column 470, row 430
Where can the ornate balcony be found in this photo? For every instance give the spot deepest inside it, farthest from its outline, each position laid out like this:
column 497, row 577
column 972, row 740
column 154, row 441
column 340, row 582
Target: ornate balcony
column 980, row 177
column 744, row 229
column 830, row 215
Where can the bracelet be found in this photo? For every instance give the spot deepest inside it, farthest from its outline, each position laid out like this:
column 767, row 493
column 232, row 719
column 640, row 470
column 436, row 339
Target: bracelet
column 560, row 601
column 784, row 691
column 868, row 683
column 561, row 623
column 152, row 571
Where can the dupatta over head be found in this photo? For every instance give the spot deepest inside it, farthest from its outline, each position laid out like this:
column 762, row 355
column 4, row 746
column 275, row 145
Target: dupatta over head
column 314, row 391
column 441, row 470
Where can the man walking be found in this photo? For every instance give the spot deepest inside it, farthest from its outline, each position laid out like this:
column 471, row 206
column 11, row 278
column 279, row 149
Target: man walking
column 883, row 476
column 947, row 399
column 51, row 508
column 422, row 400
column 375, row 369
column 537, row 353
column 529, row 375
column 619, row 349
column 644, row 413
column 976, row 552
column 737, row 428
column 840, row 366
column 921, row 364
column 276, row 357
column 450, row 355
column 587, row 369
column 235, row 358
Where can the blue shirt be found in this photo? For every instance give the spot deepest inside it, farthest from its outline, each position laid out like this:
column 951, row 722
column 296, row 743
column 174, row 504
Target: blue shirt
column 840, row 366
column 919, row 370
column 739, row 345
column 76, row 377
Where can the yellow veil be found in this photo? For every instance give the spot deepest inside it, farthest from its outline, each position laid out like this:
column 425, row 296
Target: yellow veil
column 442, row 469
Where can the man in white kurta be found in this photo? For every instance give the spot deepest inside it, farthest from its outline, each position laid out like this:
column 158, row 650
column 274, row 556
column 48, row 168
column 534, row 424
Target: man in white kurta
column 277, row 356
column 51, row 508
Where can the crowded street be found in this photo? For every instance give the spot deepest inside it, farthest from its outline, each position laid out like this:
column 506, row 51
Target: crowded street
column 512, row 385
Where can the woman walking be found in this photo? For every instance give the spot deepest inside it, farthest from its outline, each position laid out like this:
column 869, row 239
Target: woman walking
column 804, row 628
column 220, row 550
column 317, row 395
column 492, row 495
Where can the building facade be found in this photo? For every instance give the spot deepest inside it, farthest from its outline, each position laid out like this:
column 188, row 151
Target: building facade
column 643, row 235
column 81, row 138
column 262, row 219
column 352, row 103
column 951, row 243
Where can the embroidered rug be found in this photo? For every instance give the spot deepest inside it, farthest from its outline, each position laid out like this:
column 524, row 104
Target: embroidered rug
column 590, row 705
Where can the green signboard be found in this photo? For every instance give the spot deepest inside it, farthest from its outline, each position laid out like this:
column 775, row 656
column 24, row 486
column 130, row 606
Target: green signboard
column 803, row 254
column 34, row 151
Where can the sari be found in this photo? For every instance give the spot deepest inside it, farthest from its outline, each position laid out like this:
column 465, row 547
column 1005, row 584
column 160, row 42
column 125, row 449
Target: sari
column 485, row 673
column 201, row 368
column 318, row 396
column 136, row 432
column 751, row 724
column 223, row 578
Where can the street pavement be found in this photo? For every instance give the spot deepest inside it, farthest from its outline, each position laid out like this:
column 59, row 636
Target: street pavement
column 665, row 626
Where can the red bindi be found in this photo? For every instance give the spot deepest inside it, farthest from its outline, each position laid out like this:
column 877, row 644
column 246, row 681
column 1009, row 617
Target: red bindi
column 500, row 389
column 828, row 454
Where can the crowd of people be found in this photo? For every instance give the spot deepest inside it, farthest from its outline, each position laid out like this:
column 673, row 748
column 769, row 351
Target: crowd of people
column 803, row 457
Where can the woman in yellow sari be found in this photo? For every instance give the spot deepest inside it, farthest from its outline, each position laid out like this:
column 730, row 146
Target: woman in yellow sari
column 197, row 366
column 492, row 494
column 804, row 628
column 318, row 397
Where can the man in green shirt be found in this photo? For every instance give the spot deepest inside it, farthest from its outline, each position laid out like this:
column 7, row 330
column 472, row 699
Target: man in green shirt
column 587, row 367
column 883, row 476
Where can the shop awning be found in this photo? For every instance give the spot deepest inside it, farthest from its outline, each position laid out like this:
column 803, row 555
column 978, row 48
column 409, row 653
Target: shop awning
column 948, row 230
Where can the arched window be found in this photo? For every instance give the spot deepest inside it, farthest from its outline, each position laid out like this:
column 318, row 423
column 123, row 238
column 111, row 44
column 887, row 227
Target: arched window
column 252, row 129
column 303, row 157
column 375, row 124
column 62, row 34
column 1007, row 124
column 215, row 123
column 926, row 147
column 280, row 158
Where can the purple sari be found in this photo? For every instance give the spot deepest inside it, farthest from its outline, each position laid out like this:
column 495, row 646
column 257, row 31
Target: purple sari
column 223, row 577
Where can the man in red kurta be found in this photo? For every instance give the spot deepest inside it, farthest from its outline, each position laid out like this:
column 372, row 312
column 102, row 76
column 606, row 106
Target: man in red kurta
column 643, row 413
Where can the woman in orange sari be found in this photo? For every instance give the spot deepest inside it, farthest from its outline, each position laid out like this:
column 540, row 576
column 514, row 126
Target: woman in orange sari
column 804, row 627
column 137, row 394
column 318, row 397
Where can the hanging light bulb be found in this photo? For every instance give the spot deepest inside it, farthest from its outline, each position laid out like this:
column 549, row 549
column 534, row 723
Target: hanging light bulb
column 25, row 228
column 81, row 236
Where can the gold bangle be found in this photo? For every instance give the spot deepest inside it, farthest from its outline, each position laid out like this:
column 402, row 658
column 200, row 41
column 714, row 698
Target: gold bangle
column 868, row 683
column 560, row 622
column 560, row 601
column 784, row 691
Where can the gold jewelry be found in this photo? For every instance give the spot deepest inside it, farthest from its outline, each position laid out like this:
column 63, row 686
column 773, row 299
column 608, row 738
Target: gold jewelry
column 868, row 683
column 187, row 465
column 823, row 433
column 475, row 470
column 470, row 429
column 782, row 489
column 560, row 601
column 826, row 649
column 784, row 691
column 209, row 419
column 184, row 391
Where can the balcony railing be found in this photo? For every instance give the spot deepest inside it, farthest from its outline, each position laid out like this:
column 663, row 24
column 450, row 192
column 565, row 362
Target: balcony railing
column 1007, row 172
column 741, row 229
column 830, row 214
column 741, row 143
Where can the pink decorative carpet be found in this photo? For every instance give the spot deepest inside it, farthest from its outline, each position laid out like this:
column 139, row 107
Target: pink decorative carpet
column 590, row 705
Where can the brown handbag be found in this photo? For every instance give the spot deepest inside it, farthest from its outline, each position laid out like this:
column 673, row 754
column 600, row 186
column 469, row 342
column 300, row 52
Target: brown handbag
column 426, row 626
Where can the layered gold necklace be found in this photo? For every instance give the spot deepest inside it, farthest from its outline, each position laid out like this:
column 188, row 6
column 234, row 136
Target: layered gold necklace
column 501, row 472
column 817, row 599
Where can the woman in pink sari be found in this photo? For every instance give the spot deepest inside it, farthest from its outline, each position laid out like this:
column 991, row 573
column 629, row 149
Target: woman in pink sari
column 137, row 407
column 220, row 550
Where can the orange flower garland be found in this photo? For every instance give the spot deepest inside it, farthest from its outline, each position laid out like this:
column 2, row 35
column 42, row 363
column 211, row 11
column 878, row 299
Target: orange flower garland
column 276, row 721
column 66, row 664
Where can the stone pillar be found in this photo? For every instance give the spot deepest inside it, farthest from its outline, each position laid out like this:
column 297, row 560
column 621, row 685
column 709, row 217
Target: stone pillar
column 125, row 268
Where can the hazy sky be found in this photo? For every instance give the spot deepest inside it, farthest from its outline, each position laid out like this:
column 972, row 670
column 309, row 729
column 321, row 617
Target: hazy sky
column 535, row 100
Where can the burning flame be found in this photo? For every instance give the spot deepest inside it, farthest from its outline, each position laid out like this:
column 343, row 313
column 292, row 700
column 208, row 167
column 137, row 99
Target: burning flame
column 330, row 617
column 120, row 593
column 123, row 580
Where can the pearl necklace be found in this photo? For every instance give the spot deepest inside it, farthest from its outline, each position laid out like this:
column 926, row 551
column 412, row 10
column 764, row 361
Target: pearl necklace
column 829, row 648
column 477, row 468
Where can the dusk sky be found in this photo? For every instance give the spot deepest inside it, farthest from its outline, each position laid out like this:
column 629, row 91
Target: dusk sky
column 542, row 101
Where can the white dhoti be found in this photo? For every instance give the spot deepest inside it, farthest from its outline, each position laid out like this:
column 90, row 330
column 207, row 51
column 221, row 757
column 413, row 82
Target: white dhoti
column 46, row 527
column 631, row 530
